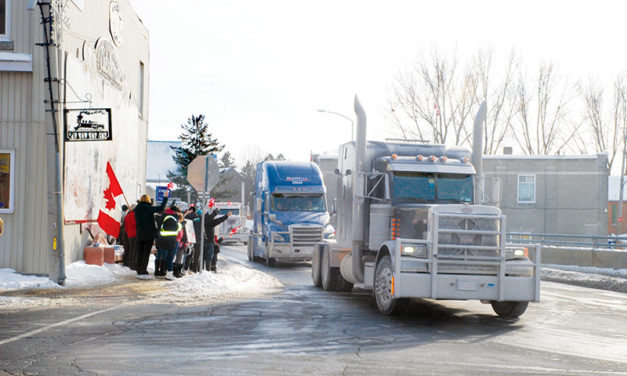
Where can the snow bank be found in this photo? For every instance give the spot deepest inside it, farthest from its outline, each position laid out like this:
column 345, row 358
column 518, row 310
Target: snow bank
column 10, row 280
column 598, row 278
column 233, row 281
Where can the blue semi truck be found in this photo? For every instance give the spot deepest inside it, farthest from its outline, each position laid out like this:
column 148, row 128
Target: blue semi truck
column 290, row 214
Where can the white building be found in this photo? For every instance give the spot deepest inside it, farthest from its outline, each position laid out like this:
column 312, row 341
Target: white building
column 87, row 79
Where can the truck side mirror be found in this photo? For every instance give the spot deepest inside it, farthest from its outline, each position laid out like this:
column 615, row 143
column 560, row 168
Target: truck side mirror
column 258, row 204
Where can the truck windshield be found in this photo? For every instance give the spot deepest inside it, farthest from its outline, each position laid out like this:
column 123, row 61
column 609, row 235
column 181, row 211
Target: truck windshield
column 421, row 187
column 234, row 211
column 295, row 202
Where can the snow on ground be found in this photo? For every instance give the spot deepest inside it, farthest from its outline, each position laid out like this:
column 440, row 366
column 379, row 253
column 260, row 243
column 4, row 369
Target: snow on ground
column 233, row 281
column 599, row 278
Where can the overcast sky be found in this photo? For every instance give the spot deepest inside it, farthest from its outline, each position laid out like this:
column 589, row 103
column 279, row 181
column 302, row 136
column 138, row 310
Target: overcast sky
column 259, row 70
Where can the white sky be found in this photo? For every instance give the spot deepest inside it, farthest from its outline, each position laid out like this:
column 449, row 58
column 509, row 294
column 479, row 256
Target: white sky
column 259, row 70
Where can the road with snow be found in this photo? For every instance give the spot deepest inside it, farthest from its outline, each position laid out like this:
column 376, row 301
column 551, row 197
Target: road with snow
column 302, row 330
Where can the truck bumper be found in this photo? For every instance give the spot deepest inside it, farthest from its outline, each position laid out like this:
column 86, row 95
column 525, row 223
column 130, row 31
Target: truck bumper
column 287, row 252
column 464, row 287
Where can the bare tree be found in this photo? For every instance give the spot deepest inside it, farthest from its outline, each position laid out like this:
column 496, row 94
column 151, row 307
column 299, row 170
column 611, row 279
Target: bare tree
column 540, row 124
column 432, row 101
column 606, row 126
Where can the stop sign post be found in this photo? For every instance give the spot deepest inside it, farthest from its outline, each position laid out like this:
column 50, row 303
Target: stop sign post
column 203, row 174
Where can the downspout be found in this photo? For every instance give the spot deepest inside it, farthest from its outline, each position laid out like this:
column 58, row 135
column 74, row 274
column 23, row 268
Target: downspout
column 57, row 243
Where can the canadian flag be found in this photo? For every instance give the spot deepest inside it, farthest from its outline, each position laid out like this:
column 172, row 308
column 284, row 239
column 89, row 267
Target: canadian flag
column 107, row 223
column 233, row 231
column 211, row 203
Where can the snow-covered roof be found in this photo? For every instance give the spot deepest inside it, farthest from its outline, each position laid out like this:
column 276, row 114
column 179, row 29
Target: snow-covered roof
column 613, row 188
column 159, row 159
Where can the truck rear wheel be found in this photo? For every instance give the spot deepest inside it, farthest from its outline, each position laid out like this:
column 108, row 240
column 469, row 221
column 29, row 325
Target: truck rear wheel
column 328, row 275
column 509, row 309
column 386, row 303
column 315, row 267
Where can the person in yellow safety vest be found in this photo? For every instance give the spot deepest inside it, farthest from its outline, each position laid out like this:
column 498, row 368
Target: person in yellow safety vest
column 168, row 242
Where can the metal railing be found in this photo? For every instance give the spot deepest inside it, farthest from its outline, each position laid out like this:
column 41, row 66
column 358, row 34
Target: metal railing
column 568, row 240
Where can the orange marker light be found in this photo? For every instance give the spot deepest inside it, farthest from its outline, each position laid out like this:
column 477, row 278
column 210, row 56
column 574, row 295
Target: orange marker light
column 432, row 158
column 394, row 156
column 420, row 157
column 392, row 289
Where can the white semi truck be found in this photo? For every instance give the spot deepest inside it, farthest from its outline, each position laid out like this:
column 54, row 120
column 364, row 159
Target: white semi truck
column 408, row 226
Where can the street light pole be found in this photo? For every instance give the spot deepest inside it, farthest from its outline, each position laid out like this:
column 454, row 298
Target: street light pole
column 345, row 117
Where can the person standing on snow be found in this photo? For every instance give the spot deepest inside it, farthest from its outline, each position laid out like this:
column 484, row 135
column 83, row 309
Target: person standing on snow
column 169, row 240
column 210, row 223
column 162, row 252
column 146, row 231
column 130, row 246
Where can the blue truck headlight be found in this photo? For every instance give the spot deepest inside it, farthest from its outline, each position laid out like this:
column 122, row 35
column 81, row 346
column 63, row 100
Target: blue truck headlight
column 414, row 250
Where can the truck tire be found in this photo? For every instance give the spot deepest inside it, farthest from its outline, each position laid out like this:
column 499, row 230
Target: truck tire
column 315, row 267
column 328, row 275
column 509, row 309
column 382, row 289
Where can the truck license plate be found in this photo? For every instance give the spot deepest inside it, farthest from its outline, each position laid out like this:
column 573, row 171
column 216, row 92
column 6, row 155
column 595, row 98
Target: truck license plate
column 466, row 285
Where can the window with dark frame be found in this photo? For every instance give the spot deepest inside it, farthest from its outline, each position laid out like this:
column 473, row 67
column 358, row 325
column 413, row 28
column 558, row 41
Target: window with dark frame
column 5, row 181
column 3, row 16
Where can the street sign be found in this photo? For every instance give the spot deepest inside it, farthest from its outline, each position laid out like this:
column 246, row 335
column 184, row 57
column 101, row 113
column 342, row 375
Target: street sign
column 196, row 172
column 160, row 190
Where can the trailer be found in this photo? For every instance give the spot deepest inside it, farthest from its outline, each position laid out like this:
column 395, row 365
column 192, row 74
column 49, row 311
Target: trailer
column 410, row 224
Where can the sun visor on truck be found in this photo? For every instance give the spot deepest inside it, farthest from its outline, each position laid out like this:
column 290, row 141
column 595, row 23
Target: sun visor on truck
column 453, row 168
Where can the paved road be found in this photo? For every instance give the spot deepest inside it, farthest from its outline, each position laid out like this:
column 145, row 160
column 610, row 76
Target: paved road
column 306, row 331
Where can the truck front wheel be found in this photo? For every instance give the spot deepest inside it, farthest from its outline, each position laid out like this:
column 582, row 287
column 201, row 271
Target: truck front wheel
column 386, row 303
column 509, row 309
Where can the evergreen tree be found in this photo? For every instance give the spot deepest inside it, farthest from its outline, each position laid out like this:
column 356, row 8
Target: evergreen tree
column 227, row 160
column 195, row 140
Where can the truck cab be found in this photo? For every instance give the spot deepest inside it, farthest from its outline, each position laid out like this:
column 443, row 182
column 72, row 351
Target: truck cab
column 410, row 224
column 290, row 215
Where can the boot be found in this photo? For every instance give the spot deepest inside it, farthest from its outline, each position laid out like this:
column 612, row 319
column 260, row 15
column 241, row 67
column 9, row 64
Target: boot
column 177, row 270
column 157, row 263
column 159, row 268
column 169, row 276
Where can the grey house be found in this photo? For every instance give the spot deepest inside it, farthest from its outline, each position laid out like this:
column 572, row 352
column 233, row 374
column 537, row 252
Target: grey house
column 552, row 194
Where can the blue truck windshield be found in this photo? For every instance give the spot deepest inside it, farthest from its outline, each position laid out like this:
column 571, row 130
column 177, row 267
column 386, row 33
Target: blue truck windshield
column 295, row 202
column 420, row 187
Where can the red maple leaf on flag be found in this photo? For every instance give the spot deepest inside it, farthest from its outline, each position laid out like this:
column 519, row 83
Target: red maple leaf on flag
column 108, row 196
column 233, row 231
column 212, row 202
column 170, row 186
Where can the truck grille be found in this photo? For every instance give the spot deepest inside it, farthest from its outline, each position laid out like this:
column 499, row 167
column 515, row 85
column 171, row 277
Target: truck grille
column 469, row 239
column 304, row 236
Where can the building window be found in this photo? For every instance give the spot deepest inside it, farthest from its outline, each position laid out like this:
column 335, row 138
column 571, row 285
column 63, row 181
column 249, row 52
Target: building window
column 7, row 175
column 5, row 19
column 527, row 189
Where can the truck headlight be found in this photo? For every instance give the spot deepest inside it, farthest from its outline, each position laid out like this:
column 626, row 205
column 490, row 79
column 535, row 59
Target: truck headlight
column 280, row 238
column 414, row 250
column 516, row 253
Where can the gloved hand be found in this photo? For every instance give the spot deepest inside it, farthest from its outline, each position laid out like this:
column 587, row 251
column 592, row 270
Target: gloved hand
column 216, row 211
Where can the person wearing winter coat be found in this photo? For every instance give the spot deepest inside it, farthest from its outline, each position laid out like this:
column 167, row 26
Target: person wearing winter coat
column 130, row 252
column 194, row 258
column 210, row 223
column 146, row 231
column 168, row 240
column 162, row 251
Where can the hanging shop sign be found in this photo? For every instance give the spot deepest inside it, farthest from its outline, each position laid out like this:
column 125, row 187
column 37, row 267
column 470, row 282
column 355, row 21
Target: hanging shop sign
column 91, row 124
